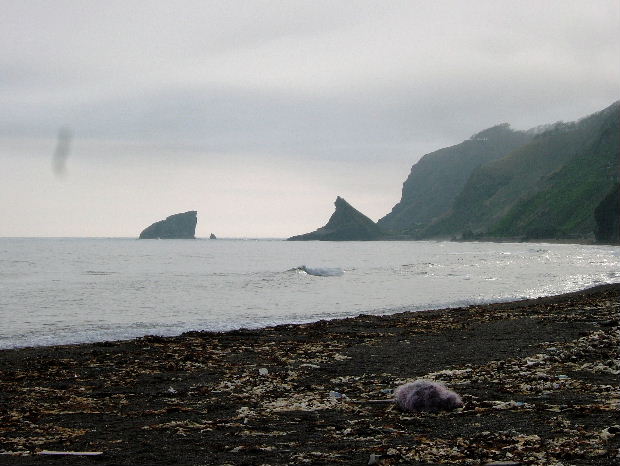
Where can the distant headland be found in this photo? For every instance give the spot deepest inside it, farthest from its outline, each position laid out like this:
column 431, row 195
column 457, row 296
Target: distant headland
column 554, row 182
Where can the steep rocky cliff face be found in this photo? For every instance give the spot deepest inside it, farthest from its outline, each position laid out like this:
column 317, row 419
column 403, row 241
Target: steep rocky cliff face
column 546, row 189
column 544, row 183
column 345, row 224
column 438, row 178
column 177, row 226
column 607, row 215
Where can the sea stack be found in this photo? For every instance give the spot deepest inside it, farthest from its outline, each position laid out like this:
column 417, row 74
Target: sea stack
column 345, row 224
column 212, row 236
column 177, row 226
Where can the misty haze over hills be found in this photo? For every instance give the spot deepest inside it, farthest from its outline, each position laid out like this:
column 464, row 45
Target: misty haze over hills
column 258, row 114
column 438, row 178
column 554, row 182
column 540, row 184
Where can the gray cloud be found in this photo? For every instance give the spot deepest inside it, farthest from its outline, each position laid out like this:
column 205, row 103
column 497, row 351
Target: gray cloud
column 304, row 67
column 303, row 81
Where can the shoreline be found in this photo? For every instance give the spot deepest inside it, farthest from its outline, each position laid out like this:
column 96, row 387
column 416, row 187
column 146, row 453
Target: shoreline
column 447, row 239
column 398, row 310
column 539, row 379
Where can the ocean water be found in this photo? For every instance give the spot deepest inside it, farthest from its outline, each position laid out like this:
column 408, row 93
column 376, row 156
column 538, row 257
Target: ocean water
column 57, row 291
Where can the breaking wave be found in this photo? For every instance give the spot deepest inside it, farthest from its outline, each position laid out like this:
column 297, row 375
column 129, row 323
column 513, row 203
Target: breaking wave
column 321, row 271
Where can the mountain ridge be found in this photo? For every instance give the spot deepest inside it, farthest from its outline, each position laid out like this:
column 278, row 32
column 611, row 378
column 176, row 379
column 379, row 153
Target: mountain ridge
column 437, row 178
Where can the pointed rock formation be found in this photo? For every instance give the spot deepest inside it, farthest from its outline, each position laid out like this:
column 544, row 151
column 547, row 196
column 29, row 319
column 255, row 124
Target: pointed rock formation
column 345, row 224
column 212, row 236
column 177, row 226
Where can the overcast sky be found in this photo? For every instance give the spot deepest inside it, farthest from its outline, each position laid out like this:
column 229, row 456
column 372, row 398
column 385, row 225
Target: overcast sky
column 259, row 113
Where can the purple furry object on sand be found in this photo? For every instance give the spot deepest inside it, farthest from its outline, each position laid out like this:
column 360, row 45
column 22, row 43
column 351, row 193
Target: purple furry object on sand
column 424, row 395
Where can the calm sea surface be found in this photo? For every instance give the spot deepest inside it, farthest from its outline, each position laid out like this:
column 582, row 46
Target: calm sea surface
column 82, row 290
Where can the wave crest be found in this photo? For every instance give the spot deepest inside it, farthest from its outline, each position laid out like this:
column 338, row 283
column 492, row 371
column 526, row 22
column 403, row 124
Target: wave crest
column 322, row 271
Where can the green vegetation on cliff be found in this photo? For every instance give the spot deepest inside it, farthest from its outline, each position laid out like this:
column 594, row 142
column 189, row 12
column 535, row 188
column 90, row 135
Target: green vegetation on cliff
column 439, row 177
column 563, row 205
column 544, row 186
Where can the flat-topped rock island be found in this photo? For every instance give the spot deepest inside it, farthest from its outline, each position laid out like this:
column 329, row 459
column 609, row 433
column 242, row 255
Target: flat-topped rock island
column 177, row 226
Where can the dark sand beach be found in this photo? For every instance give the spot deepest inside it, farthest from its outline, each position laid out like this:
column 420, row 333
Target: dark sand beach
column 539, row 381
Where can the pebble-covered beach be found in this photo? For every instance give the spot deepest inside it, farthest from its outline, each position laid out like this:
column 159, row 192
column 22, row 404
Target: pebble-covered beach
column 538, row 380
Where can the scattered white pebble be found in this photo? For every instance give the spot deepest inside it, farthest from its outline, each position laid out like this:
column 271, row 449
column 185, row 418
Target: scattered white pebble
column 337, row 395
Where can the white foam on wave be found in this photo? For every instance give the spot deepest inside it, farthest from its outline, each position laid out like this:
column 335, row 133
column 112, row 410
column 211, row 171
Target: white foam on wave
column 322, row 271
column 167, row 289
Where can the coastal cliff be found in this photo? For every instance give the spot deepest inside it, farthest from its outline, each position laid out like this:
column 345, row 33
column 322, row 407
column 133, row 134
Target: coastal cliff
column 177, row 226
column 437, row 179
column 607, row 216
column 345, row 224
column 543, row 183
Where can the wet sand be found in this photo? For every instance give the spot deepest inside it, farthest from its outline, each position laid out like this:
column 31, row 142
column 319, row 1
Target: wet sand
column 539, row 380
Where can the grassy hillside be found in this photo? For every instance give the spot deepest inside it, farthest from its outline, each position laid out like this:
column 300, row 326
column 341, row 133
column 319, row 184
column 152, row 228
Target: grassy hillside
column 438, row 178
column 548, row 188
column 566, row 206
